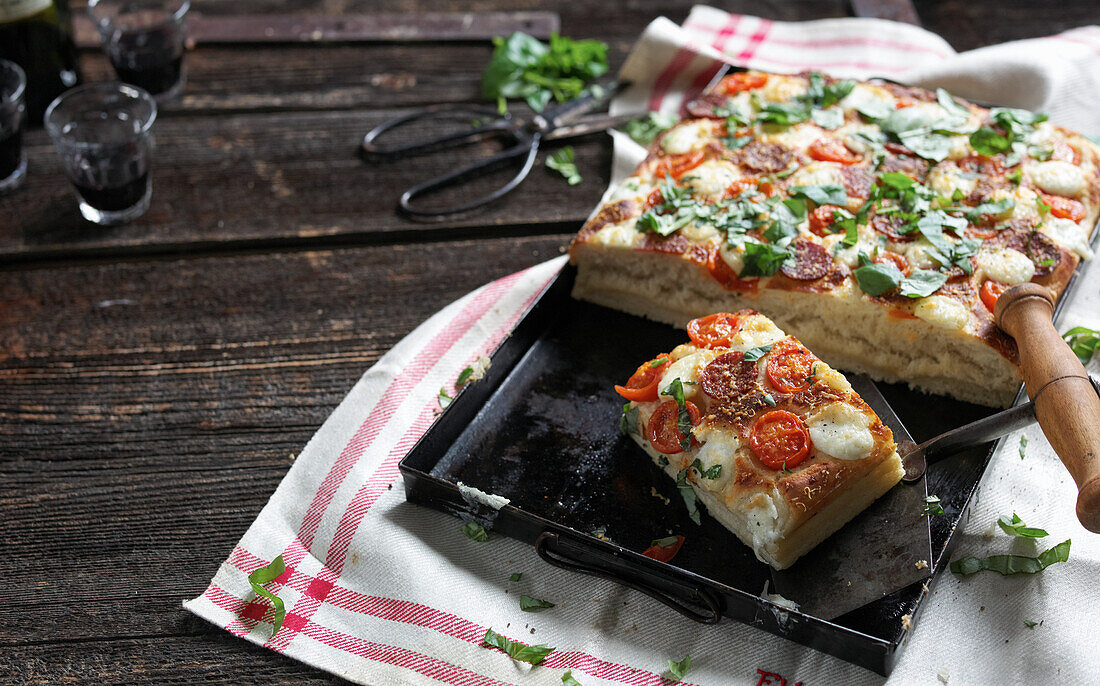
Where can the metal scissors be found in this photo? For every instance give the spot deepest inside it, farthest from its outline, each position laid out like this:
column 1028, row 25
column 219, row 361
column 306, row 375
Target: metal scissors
column 522, row 137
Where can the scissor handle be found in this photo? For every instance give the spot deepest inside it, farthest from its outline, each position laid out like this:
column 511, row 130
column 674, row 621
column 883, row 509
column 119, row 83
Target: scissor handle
column 497, row 125
column 526, row 148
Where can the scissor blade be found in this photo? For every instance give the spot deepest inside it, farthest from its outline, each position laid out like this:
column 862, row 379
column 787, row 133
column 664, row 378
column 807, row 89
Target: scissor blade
column 590, row 124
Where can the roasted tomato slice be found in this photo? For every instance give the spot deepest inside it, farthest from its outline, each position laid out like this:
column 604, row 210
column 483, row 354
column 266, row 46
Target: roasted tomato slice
column 991, row 290
column 663, row 430
column 642, row 386
column 831, row 150
column 1064, row 208
column 714, row 330
column 678, row 165
column 790, row 366
column 821, row 219
column 664, row 553
column 743, row 81
column 780, row 439
column 899, row 261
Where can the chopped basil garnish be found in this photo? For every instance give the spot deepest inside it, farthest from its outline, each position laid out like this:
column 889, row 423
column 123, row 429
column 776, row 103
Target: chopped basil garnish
column 464, row 376
column 265, row 575
column 568, row 680
column 769, row 399
column 679, row 670
column 714, row 472
column 516, row 576
column 948, row 103
column 517, row 651
column 1030, row 624
column 529, row 604
column 922, row 283
column 628, row 422
column 662, row 460
column 645, row 130
column 444, row 399
column 822, row 195
column 931, row 506
column 1083, row 341
column 917, row 130
column 683, row 417
column 688, row 494
column 821, row 94
column 988, row 142
column 784, row 114
column 828, row 119
column 1014, row 526
column 754, row 354
column 1023, row 447
column 877, row 279
column 874, row 109
column 1008, row 565
column 762, row 259
column 475, row 532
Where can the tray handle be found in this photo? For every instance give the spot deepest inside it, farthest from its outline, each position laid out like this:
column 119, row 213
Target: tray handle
column 699, row 595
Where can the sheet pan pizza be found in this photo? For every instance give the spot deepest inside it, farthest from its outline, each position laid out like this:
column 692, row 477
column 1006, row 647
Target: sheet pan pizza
column 877, row 222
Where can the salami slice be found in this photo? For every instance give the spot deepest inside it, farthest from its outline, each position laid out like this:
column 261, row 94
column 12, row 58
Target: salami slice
column 857, row 181
column 765, row 158
column 890, row 226
column 811, row 261
column 913, row 167
column 729, row 376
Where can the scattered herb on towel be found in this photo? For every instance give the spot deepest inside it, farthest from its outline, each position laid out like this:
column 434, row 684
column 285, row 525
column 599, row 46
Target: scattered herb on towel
column 524, row 67
column 1083, row 341
column 1023, row 447
column 516, row 576
column 517, row 651
column 1014, row 526
column 562, row 162
column 444, row 399
column 1030, row 624
column 568, row 679
column 645, row 130
column 464, row 376
column 679, row 670
column 529, row 604
column 264, row 575
column 1008, row 565
column 931, row 506
column 475, row 531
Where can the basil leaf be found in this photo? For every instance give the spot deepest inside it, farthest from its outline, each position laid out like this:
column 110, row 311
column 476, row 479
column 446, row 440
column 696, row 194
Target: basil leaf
column 516, row 650
column 828, row 119
column 931, row 506
column 822, row 195
column 679, row 670
column 784, row 114
column 444, row 399
column 663, row 224
column 851, row 234
column 896, row 180
column 756, row 353
column 786, row 216
column 464, row 376
column 875, row 109
column 628, row 422
column 876, row 279
column 265, row 575
column 516, row 576
column 645, row 130
column 562, row 162
column 688, row 494
column 988, row 142
column 762, row 259
column 529, row 604
column 1008, row 565
column 475, row 532
column 994, row 208
column 1014, row 526
column 948, row 103
column 568, row 680
column 1083, row 341
column 715, row 471
column 922, row 283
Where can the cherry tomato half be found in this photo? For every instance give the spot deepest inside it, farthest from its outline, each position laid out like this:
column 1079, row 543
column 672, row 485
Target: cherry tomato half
column 664, row 553
column 830, row 150
column 714, row 330
column 743, row 81
column 790, row 366
column 991, row 290
column 641, row 387
column 780, row 439
column 1064, row 208
column 678, row 165
column 821, row 219
column 663, row 430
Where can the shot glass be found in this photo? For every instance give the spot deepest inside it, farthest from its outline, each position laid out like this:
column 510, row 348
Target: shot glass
column 144, row 39
column 102, row 134
column 13, row 114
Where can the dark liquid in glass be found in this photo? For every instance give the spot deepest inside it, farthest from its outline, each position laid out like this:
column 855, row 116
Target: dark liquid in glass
column 115, row 199
column 11, row 148
column 148, row 59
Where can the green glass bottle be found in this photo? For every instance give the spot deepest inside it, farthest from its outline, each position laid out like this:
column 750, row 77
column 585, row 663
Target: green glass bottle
column 37, row 35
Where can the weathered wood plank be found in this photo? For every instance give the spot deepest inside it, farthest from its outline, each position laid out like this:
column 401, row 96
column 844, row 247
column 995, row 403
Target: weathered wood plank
column 285, row 178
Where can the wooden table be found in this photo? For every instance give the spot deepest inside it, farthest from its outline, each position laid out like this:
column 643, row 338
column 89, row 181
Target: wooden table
column 157, row 379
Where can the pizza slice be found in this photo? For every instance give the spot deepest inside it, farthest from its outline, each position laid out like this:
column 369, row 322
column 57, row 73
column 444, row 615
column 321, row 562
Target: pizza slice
column 771, row 439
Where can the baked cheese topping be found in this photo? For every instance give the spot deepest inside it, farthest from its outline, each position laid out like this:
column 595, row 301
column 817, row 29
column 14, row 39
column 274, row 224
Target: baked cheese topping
column 917, row 201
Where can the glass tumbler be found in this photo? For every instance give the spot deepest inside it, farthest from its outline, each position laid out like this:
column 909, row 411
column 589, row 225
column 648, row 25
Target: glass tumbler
column 144, row 39
column 102, row 134
column 13, row 115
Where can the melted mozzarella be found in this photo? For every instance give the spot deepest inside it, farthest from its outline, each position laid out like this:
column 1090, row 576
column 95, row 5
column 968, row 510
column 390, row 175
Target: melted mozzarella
column 734, row 257
column 782, row 88
column 1057, row 177
column 866, row 241
column 711, row 179
column 818, row 174
column 719, row 447
column 755, row 332
column 863, row 95
column 687, row 368
column 797, row 137
column 918, row 254
column 1027, row 206
column 686, row 137
column 1068, row 233
column 841, row 431
column 945, row 178
column 624, row 234
column 1006, row 265
column 634, row 187
column 943, row 312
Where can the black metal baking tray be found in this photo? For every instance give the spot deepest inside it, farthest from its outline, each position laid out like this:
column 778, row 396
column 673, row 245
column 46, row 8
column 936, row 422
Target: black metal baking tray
column 541, row 429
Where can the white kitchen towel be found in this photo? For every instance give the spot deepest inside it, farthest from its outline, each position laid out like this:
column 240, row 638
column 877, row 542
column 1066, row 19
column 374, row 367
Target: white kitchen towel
column 380, row 591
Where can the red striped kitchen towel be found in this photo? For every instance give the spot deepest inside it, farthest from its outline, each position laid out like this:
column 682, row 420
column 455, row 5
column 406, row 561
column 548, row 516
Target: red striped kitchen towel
column 380, row 591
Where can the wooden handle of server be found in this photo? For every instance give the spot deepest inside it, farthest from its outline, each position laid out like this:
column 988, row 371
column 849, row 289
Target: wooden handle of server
column 1066, row 403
